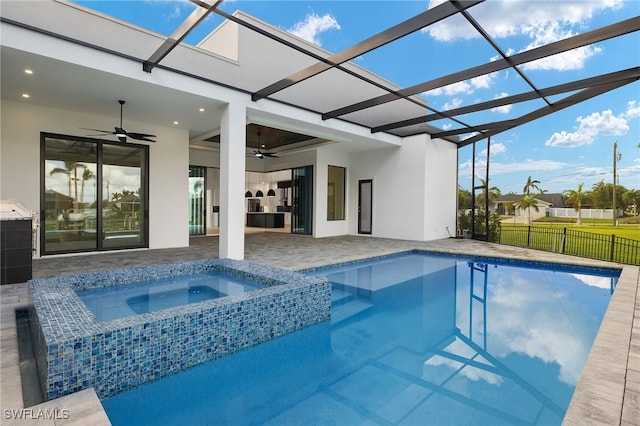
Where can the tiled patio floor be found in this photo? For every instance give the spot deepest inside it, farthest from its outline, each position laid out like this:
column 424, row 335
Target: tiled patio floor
column 608, row 392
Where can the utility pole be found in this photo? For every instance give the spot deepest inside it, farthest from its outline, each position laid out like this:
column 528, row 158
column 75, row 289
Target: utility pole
column 616, row 158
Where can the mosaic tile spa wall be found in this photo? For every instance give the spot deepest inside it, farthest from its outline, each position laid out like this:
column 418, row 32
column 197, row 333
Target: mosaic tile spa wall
column 74, row 351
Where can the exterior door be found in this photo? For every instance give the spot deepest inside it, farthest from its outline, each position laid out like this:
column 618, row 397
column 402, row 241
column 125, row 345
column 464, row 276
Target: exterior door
column 302, row 200
column 197, row 208
column 93, row 194
column 365, row 199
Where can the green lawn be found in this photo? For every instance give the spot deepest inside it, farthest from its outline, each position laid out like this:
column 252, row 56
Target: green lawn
column 577, row 240
column 601, row 227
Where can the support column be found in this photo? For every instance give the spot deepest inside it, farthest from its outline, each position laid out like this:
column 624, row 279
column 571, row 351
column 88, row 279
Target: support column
column 232, row 171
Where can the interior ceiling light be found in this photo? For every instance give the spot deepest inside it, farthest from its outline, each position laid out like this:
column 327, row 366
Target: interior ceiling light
column 26, row 95
column 176, row 123
column 28, row 71
column 271, row 193
column 248, row 194
column 201, row 110
column 259, row 194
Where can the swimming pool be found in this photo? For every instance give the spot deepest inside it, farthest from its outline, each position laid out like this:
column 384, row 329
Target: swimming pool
column 109, row 303
column 413, row 339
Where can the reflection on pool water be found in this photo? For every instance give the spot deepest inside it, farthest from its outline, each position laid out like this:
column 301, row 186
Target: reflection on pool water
column 109, row 303
column 413, row 339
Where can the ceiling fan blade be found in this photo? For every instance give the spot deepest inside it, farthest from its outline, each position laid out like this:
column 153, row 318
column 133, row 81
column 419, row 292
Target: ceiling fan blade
column 269, row 154
column 140, row 136
column 105, row 132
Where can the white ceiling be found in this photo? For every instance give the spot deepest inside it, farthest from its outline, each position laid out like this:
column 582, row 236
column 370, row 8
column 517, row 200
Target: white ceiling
column 68, row 86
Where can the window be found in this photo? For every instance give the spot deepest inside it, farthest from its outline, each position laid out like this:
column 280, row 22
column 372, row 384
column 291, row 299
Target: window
column 94, row 194
column 335, row 193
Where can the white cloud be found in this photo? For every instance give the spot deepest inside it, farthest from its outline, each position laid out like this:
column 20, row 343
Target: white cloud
column 453, row 103
column 464, row 87
column 527, row 165
column 313, row 25
column 589, row 128
column 633, row 110
column 593, row 280
column 451, row 89
column 504, row 109
column 540, row 21
column 496, row 148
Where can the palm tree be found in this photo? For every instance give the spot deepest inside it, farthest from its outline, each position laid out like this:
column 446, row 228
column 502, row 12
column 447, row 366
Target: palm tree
column 493, row 194
column 87, row 174
column 601, row 193
column 70, row 167
column 508, row 206
column 575, row 197
column 531, row 184
column 527, row 202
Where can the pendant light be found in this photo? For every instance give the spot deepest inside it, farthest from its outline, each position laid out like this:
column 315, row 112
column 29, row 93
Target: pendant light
column 271, row 192
column 259, row 194
column 247, row 181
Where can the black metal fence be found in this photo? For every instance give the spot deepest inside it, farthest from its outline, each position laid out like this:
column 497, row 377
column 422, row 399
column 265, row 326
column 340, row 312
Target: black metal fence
column 569, row 241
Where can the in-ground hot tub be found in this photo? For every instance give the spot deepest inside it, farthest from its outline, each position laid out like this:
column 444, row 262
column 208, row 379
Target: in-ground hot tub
column 75, row 351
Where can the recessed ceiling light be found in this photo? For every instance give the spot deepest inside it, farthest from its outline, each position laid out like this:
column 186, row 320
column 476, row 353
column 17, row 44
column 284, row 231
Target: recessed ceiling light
column 26, row 95
column 201, row 109
column 28, row 71
column 176, row 123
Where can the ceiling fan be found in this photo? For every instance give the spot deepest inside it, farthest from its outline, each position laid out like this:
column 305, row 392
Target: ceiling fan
column 262, row 154
column 121, row 133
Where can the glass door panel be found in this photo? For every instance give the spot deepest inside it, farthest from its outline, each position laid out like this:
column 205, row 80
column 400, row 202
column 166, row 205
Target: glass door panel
column 365, row 198
column 69, row 199
column 302, row 200
column 197, row 210
column 93, row 194
column 124, row 208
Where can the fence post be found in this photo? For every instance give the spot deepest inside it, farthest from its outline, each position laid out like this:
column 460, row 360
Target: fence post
column 564, row 239
column 528, row 235
column 613, row 242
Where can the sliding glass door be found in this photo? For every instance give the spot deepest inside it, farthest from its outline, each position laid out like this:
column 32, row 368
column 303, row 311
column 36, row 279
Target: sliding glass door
column 302, row 202
column 197, row 210
column 93, row 196
column 125, row 215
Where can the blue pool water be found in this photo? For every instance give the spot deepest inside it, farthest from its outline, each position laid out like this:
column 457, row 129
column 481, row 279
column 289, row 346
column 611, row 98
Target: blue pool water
column 108, row 303
column 414, row 339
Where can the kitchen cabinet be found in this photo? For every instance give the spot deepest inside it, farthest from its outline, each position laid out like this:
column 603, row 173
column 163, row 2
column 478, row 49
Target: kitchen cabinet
column 265, row 220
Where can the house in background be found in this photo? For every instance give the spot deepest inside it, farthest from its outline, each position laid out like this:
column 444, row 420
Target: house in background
column 510, row 201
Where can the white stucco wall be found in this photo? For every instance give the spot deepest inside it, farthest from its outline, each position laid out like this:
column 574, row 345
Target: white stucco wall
column 413, row 189
column 22, row 123
column 441, row 181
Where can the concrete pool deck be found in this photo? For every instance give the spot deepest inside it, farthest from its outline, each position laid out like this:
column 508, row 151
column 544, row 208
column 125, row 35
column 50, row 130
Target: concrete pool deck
column 608, row 392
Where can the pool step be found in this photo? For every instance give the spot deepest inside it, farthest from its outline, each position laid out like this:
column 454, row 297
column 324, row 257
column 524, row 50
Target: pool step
column 345, row 304
column 347, row 310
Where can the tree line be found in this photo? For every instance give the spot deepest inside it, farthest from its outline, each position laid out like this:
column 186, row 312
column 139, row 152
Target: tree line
column 599, row 197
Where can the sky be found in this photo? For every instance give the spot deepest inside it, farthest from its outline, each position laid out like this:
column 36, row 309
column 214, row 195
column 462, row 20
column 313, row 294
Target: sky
column 561, row 150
